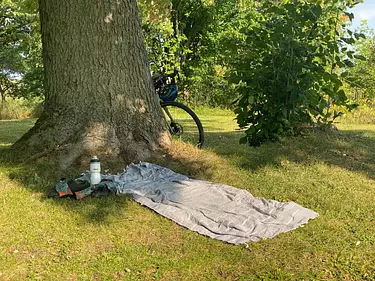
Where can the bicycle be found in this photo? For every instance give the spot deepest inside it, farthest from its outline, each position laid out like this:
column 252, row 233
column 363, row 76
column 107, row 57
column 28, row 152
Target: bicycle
column 182, row 122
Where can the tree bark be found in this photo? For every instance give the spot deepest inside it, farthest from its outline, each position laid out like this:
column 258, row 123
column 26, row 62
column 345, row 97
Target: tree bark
column 99, row 94
column 3, row 101
column 3, row 97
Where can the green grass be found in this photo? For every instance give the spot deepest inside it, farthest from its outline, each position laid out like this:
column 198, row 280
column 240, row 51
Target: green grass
column 115, row 238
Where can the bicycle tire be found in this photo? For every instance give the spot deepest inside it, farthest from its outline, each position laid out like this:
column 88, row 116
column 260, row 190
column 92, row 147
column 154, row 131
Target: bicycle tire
column 176, row 129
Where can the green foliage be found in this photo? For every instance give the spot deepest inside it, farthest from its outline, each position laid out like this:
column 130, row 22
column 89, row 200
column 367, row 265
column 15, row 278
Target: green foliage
column 20, row 108
column 361, row 77
column 20, row 56
column 290, row 65
column 206, row 66
column 164, row 47
column 185, row 34
column 363, row 114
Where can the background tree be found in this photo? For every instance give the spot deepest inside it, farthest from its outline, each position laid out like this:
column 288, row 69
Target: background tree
column 187, row 35
column 12, row 35
column 99, row 96
column 361, row 77
column 20, row 55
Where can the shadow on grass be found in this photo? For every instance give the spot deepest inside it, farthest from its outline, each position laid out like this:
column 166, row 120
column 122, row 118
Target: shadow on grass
column 353, row 150
column 40, row 176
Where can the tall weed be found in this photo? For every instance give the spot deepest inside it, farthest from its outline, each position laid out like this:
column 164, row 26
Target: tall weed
column 20, row 109
column 363, row 114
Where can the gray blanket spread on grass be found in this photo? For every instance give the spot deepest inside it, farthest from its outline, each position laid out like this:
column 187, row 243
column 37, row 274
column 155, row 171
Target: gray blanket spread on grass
column 216, row 210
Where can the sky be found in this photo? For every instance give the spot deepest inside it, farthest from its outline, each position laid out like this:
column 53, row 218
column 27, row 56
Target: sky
column 364, row 11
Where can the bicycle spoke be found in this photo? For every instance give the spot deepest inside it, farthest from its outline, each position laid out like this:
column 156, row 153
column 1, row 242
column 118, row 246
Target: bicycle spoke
column 182, row 125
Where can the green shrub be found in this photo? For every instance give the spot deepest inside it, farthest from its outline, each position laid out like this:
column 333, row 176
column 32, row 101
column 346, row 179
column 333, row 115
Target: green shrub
column 20, row 108
column 289, row 67
column 363, row 114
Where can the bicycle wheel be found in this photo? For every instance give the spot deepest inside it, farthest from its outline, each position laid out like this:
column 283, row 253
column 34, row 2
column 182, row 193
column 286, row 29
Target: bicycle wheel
column 183, row 123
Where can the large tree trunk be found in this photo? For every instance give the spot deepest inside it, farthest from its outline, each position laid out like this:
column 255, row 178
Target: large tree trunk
column 99, row 95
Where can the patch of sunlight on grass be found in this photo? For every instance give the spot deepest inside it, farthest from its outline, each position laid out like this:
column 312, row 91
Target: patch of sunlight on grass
column 5, row 144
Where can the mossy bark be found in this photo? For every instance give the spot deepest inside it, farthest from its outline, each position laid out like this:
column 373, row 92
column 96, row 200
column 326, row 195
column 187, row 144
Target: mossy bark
column 99, row 95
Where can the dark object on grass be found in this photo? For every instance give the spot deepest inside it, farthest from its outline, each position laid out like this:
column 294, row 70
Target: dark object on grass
column 78, row 185
column 102, row 191
column 79, row 189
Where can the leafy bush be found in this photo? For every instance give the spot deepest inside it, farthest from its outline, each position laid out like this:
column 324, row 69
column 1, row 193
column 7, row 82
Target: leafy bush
column 289, row 67
column 363, row 114
column 20, row 108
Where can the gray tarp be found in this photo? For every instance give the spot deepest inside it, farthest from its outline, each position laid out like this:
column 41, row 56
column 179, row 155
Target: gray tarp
column 216, row 210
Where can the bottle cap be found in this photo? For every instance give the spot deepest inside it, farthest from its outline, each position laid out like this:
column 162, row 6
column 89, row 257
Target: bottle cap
column 94, row 159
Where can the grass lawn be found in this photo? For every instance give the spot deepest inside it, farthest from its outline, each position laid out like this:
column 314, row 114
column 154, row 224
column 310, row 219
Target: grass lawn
column 115, row 238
